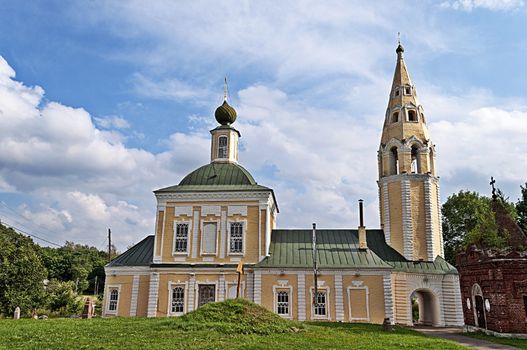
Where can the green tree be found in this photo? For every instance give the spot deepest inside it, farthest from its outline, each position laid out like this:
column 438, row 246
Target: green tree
column 468, row 219
column 22, row 273
column 521, row 208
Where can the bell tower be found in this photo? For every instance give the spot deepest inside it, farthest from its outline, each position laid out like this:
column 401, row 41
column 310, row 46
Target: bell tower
column 408, row 183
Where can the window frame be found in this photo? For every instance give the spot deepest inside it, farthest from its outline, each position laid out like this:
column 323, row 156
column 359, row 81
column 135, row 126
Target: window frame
column 244, row 229
column 223, row 148
column 327, row 316
column 189, row 231
column 171, row 287
column 202, row 239
column 409, row 92
column 109, row 290
column 416, row 115
column 280, row 289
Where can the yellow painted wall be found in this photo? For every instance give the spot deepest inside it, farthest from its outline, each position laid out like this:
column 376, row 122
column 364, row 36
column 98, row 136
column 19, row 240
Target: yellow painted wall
column 418, row 219
column 375, row 298
column 159, row 229
column 396, row 216
column 142, row 296
column 125, row 294
column 251, row 234
column 270, row 281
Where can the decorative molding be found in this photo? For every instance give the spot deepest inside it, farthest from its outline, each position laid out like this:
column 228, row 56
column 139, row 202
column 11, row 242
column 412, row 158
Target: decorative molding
column 290, row 303
column 408, row 246
column 171, row 285
column 195, row 240
column 183, row 210
column 237, row 209
column 153, row 292
column 328, row 304
column 339, row 299
column 133, row 298
column 213, row 196
column 357, row 283
column 350, row 306
column 189, row 235
column 210, row 210
column 301, row 280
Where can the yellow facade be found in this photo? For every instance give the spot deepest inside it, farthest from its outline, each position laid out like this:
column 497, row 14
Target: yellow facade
column 202, row 234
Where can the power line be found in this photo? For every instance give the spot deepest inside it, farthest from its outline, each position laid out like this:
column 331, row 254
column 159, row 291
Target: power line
column 31, row 235
column 30, row 223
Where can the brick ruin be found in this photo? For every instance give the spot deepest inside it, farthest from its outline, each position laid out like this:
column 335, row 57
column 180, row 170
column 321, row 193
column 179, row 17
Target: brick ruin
column 494, row 282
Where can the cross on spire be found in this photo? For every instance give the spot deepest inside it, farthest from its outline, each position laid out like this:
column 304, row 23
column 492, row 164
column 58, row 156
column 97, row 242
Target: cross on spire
column 492, row 182
column 225, row 89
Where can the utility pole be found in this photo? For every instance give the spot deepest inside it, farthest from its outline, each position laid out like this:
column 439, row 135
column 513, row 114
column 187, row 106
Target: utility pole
column 109, row 245
column 315, row 267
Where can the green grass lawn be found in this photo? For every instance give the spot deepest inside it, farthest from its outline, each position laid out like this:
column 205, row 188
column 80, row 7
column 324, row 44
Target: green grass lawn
column 519, row 343
column 226, row 325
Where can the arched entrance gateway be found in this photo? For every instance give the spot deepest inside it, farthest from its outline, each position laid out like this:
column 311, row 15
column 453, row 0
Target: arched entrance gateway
column 425, row 307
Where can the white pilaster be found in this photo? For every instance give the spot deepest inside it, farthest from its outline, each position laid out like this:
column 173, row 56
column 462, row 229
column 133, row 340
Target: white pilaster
column 258, row 287
column 133, row 299
column 452, row 308
column 408, row 244
column 429, row 232
column 221, row 287
column 439, row 219
column 301, row 297
column 223, row 234
column 388, row 297
column 386, row 209
column 153, row 292
column 339, row 300
column 191, row 292
column 195, row 228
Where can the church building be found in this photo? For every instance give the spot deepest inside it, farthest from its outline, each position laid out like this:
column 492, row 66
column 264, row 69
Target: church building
column 219, row 216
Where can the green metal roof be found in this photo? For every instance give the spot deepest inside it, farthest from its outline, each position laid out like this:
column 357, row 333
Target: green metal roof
column 335, row 249
column 217, row 177
column 140, row 254
column 340, row 249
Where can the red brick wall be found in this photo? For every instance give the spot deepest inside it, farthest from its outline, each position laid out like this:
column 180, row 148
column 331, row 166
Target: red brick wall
column 503, row 280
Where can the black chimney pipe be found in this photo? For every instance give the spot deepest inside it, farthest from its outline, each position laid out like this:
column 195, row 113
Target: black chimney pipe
column 361, row 213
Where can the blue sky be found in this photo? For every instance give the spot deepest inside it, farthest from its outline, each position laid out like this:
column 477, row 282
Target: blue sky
column 103, row 101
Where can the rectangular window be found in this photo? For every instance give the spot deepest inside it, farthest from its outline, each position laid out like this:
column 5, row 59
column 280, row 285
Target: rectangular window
column 236, row 243
column 181, row 240
column 320, row 303
column 209, row 238
column 282, row 303
column 114, row 299
column 222, row 147
column 178, row 300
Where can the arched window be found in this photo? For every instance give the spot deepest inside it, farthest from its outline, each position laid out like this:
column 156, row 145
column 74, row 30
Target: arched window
column 407, row 90
column 416, row 162
column 222, row 147
column 395, row 117
column 431, row 162
column 394, row 161
column 412, row 116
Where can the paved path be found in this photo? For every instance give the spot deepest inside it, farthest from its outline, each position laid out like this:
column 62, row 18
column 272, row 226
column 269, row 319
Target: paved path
column 456, row 335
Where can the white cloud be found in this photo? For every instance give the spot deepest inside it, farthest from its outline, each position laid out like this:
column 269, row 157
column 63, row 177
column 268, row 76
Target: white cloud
column 168, row 89
column 115, row 122
column 493, row 5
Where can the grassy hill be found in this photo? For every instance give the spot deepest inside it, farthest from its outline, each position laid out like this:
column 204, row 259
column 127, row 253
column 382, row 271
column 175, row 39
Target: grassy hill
column 234, row 324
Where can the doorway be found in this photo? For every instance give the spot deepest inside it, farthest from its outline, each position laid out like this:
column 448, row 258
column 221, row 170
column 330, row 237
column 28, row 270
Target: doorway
column 425, row 308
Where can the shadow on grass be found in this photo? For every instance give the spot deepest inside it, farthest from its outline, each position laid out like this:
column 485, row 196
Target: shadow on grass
column 365, row 328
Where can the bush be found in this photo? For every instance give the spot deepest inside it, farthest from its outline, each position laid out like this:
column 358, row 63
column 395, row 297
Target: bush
column 62, row 300
column 234, row 316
